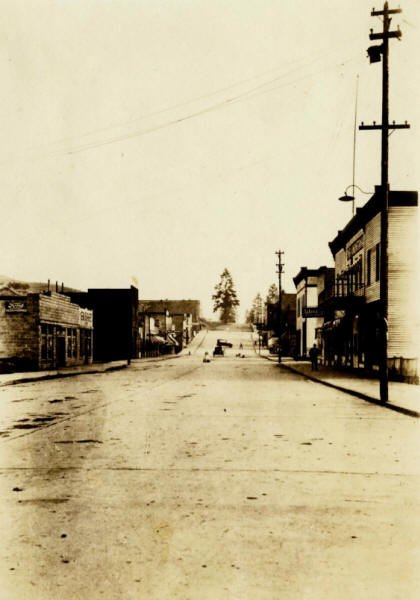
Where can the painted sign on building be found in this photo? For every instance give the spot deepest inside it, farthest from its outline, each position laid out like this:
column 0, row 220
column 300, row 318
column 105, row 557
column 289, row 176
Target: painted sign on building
column 309, row 312
column 85, row 318
column 355, row 249
column 16, row 306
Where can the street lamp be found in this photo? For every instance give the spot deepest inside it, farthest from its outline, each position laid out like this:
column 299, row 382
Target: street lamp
column 376, row 54
column 350, row 198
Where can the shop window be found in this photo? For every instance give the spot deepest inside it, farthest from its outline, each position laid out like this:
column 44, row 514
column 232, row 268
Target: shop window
column 44, row 345
column 68, row 343
column 71, row 343
column 46, row 342
column 359, row 276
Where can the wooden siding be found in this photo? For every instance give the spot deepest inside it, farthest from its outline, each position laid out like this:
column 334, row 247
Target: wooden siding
column 340, row 261
column 58, row 309
column 372, row 237
column 403, row 267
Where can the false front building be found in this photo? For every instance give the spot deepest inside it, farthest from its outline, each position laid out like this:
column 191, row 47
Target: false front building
column 351, row 304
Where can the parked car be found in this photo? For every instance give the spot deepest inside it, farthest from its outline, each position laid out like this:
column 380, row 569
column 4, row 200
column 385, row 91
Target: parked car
column 224, row 343
column 218, row 351
column 273, row 345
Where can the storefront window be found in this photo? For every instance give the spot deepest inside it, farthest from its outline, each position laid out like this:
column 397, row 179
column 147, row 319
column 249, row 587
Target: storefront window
column 46, row 342
column 71, row 343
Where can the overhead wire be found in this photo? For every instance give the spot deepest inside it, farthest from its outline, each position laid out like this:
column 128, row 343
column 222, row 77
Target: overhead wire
column 252, row 93
column 90, row 145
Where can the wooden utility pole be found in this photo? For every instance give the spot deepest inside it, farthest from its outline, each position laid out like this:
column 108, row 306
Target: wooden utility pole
column 280, row 266
column 375, row 53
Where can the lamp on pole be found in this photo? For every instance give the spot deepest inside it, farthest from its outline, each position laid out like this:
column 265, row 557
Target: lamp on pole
column 350, row 197
column 375, row 53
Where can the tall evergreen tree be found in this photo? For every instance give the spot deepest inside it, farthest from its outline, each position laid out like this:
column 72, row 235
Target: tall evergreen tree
column 272, row 294
column 257, row 309
column 225, row 299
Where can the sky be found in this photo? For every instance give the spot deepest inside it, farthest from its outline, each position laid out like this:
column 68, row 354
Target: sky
column 156, row 142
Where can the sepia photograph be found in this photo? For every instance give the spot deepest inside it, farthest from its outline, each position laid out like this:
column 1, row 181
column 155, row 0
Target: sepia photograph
column 210, row 300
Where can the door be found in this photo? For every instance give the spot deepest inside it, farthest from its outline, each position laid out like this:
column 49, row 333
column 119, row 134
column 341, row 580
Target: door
column 60, row 351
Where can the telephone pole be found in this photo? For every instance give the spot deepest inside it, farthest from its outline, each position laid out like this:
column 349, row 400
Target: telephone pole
column 375, row 53
column 279, row 266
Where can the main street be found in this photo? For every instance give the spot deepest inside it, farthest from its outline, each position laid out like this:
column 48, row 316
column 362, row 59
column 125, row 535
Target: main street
column 179, row 479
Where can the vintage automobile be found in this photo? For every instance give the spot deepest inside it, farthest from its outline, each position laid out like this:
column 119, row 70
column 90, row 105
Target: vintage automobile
column 218, row 351
column 273, row 345
column 224, row 343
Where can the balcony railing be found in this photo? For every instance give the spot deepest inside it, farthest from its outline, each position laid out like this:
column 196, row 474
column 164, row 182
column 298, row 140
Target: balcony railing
column 344, row 286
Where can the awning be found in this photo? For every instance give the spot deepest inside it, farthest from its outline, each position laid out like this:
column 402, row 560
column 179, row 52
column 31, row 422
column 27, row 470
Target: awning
column 157, row 339
column 172, row 341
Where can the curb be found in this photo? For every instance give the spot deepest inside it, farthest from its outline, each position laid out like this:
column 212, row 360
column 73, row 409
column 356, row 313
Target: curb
column 58, row 375
column 405, row 411
column 94, row 371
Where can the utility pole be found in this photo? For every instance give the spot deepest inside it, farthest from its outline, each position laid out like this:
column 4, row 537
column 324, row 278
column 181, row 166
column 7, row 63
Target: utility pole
column 374, row 53
column 280, row 266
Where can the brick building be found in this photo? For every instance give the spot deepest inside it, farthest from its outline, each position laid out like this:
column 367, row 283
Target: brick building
column 42, row 331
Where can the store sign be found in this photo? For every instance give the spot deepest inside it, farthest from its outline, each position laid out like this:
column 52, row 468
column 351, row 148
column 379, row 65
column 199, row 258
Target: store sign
column 309, row 312
column 355, row 248
column 16, row 306
column 85, row 317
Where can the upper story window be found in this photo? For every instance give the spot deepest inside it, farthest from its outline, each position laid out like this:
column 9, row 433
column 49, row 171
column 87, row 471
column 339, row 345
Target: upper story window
column 377, row 262
column 373, row 264
column 369, row 267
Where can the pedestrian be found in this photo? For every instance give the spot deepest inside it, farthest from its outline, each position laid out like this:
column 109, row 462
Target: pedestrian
column 313, row 355
column 240, row 346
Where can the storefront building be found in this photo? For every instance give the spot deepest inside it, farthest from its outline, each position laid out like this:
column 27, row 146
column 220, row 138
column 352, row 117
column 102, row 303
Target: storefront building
column 157, row 333
column 115, row 321
column 43, row 331
column 351, row 304
column 310, row 283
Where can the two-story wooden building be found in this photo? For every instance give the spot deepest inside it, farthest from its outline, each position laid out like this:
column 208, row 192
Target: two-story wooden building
column 351, row 304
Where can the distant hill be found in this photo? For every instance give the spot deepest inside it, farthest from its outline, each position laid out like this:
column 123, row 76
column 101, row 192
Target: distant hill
column 30, row 286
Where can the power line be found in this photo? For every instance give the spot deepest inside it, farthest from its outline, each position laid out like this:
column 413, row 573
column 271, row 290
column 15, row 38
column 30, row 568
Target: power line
column 249, row 94
column 252, row 92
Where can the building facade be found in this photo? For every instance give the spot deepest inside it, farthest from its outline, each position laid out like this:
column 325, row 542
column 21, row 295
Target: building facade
column 310, row 283
column 115, row 322
column 282, row 323
column 352, row 303
column 175, row 307
column 174, row 321
column 156, row 333
column 43, row 331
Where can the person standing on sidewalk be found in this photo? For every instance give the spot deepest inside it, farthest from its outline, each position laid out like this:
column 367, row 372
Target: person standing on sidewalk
column 313, row 355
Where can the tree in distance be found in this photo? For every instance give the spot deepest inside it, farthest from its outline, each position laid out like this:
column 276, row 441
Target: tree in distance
column 225, row 299
column 256, row 314
column 272, row 294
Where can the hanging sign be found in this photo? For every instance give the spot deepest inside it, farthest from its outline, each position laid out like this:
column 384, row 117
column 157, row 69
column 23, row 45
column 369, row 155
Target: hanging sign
column 311, row 312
